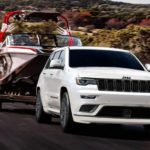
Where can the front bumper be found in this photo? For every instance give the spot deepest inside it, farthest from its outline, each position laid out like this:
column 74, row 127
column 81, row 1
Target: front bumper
column 93, row 119
column 108, row 99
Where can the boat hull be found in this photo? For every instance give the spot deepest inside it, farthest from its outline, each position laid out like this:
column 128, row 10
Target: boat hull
column 20, row 75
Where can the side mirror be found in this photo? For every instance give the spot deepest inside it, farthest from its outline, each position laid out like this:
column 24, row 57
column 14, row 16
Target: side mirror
column 56, row 63
column 147, row 67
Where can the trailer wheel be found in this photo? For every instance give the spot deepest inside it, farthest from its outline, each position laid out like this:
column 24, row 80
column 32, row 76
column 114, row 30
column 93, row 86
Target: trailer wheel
column 41, row 116
column 0, row 106
column 147, row 129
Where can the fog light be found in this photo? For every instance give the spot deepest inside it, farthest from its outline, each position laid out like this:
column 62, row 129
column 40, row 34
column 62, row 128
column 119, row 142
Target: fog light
column 88, row 108
column 88, row 96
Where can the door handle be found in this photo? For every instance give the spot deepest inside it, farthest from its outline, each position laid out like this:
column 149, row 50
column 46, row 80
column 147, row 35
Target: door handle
column 51, row 74
column 44, row 73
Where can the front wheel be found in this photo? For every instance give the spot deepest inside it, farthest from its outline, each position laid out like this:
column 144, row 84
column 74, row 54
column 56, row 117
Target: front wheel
column 66, row 120
column 41, row 116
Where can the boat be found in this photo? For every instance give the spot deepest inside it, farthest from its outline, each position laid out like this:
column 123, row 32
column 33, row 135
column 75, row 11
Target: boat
column 23, row 55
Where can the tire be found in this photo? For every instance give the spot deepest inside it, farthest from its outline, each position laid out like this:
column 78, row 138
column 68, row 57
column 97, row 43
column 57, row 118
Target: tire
column 41, row 116
column 147, row 129
column 0, row 106
column 66, row 120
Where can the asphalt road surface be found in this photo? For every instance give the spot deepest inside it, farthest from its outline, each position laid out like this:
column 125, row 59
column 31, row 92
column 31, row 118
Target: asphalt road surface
column 20, row 131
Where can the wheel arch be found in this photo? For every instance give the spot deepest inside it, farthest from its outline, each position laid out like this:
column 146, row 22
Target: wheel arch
column 62, row 90
column 37, row 89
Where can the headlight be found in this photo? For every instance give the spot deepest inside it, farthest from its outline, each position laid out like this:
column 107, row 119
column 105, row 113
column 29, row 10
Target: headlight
column 85, row 81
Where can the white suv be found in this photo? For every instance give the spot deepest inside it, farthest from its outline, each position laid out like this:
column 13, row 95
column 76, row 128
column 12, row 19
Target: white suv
column 93, row 85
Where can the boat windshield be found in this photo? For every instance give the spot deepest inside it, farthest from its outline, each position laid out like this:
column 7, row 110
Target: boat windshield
column 43, row 40
column 51, row 40
column 24, row 40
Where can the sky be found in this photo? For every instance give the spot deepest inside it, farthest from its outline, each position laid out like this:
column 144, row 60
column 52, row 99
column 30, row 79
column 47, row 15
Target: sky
column 135, row 1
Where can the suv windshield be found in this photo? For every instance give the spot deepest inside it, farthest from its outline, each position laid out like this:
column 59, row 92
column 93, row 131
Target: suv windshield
column 103, row 58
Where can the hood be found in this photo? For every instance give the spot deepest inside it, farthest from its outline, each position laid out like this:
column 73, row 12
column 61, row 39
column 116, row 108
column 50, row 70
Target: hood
column 111, row 73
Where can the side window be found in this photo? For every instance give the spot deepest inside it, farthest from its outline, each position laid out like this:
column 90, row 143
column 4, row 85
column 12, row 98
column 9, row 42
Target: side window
column 62, row 58
column 57, row 54
column 49, row 60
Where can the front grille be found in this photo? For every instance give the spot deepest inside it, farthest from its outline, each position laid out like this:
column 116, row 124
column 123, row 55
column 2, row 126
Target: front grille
column 124, row 112
column 123, row 85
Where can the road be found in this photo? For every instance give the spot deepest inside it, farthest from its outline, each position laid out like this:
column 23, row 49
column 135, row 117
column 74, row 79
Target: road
column 19, row 131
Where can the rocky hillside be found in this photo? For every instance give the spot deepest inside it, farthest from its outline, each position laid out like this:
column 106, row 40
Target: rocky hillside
column 90, row 13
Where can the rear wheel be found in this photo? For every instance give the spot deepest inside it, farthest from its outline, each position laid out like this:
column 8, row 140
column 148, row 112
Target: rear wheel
column 41, row 116
column 66, row 120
